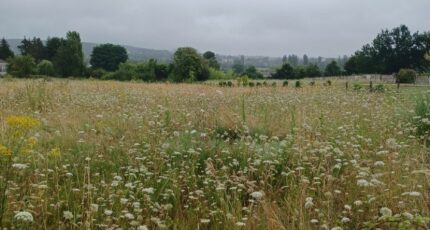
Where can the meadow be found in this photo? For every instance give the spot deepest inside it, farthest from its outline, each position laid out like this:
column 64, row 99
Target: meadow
column 87, row 154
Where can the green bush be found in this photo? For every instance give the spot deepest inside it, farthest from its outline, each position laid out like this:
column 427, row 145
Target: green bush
column 21, row 66
column 298, row 84
column 46, row 68
column 251, row 84
column 96, row 72
column 274, row 84
column 406, row 76
column 379, row 88
column 285, row 83
column 357, row 87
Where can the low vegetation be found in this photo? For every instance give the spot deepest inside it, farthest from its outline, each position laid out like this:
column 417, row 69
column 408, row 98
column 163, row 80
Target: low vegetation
column 101, row 154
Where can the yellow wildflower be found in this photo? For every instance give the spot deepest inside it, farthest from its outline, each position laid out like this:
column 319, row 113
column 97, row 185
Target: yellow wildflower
column 29, row 145
column 5, row 151
column 22, row 122
column 55, row 152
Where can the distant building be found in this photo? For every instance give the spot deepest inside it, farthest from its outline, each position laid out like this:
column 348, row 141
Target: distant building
column 3, row 67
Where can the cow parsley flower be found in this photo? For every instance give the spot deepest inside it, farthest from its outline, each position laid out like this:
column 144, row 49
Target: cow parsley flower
column 24, row 216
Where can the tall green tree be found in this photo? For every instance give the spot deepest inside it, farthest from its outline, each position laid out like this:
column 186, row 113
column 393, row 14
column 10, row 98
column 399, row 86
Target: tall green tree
column 108, row 56
column 52, row 46
column 313, row 71
column 253, row 73
column 210, row 57
column 69, row 59
column 391, row 51
column 188, row 65
column 5, row 51
column 33, row 47
column 332, row 69
column 21, row 66
column 285, row 72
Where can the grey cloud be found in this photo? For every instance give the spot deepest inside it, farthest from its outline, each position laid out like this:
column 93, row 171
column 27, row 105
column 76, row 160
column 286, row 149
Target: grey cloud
column 251, row 27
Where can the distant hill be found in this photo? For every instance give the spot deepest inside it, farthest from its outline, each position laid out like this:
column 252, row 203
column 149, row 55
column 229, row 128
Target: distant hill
column 134, row 53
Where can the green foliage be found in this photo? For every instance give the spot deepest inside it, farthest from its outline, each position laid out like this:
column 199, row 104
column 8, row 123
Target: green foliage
column 52, row 46
column 5, row 51
column 210, row 58
column 251, row 84
column 34, row 48
column 215, row 74
column 285, row 83
column 149, row 71
column 243, row 80
column 379, row 88
column 332, row 69
column 406, row 76
column 108, row 56
column 298, row 84
column 69, row 59
column 96, row 73
column 238, row 68
column 391, row 51
column 188, row 66
column 312, row 71
column 253, row 73
column 328, row 82
column 300, row 72
column 357, row 87
column 285, row 72
column 21, row 66
column 46, row 68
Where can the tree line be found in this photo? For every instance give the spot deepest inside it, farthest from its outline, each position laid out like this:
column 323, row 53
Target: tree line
column 391, row 51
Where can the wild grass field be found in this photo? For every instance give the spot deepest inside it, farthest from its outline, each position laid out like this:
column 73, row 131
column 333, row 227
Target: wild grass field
column 114, row 155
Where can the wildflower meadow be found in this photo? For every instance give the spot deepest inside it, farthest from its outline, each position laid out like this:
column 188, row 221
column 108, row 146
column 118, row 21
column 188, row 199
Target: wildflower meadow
column 88, row 154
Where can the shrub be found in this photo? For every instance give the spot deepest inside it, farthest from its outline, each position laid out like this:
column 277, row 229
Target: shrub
column 258, row 84
column 243, row 80
column 274, row 84
column 285, row 83
column 328, row 82
column 21, row 66
column 46, row 68
column 96, row 72
column 379, row 88
column 357, row 87
column 406, row 76
column 251, row 84
column 298, row 84
column 312, row 83
column 264, row 83
column 229, row 84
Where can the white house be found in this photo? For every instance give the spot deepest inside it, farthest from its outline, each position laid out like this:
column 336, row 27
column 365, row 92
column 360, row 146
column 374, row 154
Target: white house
column 3, row 67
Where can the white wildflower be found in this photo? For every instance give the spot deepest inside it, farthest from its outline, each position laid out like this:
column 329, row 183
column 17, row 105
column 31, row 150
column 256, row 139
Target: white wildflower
column 385, row 212
column 257, row 195
column 68, row 215
column 24, row 216
column 362, row 183
column 148, row 190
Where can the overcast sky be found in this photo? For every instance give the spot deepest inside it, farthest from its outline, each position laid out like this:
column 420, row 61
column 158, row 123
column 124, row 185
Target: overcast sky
column 265, row 27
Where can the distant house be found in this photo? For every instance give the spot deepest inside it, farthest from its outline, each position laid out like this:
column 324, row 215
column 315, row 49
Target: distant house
column 3, row 67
